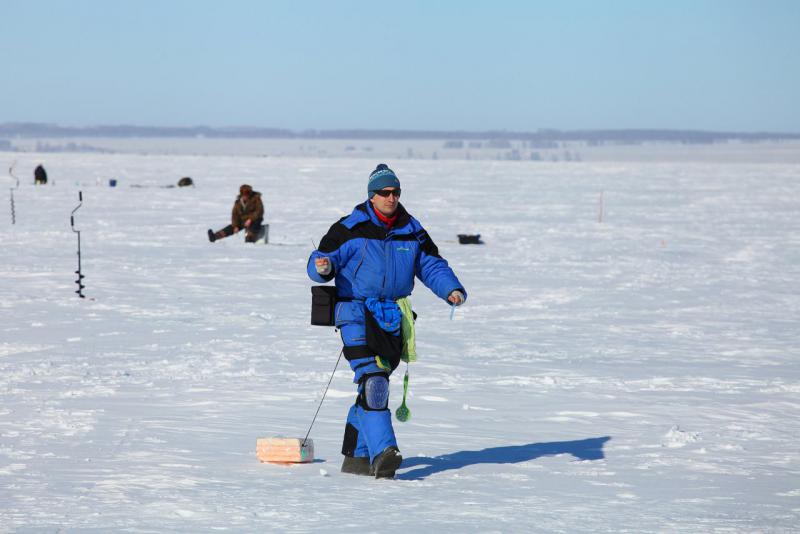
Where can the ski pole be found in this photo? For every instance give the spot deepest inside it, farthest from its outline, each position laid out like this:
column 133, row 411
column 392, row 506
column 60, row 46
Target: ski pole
column 323, row 397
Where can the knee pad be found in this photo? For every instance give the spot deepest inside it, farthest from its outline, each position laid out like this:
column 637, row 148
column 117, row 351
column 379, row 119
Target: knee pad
column 375, row 395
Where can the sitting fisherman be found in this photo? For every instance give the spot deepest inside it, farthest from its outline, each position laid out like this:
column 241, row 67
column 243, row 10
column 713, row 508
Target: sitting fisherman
column 247, row 214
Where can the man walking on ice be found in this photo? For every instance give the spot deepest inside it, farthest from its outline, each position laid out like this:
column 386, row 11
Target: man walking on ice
column 373, row 255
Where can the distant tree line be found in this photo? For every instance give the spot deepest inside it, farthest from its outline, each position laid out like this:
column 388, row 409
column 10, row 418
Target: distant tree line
column 542, row 137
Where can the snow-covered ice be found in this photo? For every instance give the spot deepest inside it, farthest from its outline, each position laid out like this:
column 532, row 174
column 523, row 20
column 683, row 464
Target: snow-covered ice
column 637, row 374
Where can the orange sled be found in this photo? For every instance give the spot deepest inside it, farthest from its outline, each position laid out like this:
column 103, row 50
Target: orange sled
column 285, row 450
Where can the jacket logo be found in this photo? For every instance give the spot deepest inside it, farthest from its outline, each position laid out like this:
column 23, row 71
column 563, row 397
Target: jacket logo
column 403, row 249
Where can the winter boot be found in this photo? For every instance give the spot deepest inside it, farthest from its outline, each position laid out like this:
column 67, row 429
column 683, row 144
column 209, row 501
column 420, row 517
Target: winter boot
column 225, row 232
column 356, row 465
column 386, row 463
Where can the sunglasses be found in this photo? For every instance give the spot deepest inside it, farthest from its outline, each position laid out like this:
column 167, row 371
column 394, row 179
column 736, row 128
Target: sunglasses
column 384, row 193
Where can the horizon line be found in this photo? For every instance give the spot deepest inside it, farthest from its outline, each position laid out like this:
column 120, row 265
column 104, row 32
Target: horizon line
column 32, row 129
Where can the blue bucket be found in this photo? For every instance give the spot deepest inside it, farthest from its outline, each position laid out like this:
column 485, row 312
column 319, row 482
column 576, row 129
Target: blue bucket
column 112, row 182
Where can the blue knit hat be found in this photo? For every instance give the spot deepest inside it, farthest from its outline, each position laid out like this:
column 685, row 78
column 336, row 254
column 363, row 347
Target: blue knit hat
column 381, row 177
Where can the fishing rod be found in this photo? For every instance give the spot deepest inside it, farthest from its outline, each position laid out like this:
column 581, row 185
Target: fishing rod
column 323, row 397
column 79, row 281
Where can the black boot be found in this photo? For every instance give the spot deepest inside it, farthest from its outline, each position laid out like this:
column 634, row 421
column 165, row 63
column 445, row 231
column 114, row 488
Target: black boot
column 356, row 465
column 386, row 463
column 221, row 234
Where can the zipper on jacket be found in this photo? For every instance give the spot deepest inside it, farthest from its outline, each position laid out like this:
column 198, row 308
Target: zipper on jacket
column 385, row 263
column 363, row 253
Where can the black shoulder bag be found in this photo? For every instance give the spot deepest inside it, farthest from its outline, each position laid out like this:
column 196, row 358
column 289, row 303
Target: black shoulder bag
column 323, row 304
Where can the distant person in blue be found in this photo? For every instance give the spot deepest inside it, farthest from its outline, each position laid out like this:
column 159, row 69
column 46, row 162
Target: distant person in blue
column 373, row 255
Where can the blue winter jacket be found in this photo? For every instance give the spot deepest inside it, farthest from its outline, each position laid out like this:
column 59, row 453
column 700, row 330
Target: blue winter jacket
column 370, row 261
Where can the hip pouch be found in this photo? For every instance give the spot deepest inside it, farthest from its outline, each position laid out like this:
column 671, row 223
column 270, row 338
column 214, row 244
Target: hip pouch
column 382, row 321
column 323, row 303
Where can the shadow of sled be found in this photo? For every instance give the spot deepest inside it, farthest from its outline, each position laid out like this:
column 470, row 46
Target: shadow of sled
column 584, row 449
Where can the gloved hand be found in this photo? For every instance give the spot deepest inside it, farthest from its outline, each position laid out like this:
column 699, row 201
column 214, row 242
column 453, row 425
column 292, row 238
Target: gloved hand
column 456, row 297
column 323, row 266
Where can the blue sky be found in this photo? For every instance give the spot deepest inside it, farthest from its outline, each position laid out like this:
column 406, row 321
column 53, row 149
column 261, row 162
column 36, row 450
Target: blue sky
column 729, row 65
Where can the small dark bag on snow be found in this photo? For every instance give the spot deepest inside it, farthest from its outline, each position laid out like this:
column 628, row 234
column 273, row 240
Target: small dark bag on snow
column 323, row 304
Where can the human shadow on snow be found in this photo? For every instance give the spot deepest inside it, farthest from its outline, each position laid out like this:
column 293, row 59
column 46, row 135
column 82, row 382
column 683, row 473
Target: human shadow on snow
column 584, row 449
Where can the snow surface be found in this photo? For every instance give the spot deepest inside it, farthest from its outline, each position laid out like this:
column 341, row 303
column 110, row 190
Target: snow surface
column 637, row 374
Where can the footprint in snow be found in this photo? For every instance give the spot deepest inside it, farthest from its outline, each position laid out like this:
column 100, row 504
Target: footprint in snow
column 676, row 437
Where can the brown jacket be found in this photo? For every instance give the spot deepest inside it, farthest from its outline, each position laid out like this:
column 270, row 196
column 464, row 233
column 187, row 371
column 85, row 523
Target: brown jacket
column 253, row 209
